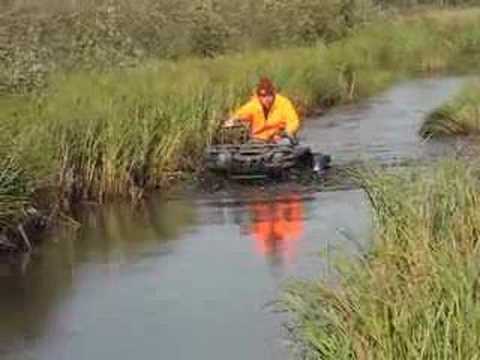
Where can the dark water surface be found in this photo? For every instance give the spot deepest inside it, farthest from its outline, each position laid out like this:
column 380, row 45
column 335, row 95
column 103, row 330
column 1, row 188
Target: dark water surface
column 193, row 276
column 385, row 128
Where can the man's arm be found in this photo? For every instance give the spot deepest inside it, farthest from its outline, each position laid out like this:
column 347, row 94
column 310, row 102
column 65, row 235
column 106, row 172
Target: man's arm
column 231, row 121
column 243, row 114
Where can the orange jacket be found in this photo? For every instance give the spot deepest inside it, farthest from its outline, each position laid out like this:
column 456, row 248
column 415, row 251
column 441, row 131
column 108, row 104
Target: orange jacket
column 282, row 117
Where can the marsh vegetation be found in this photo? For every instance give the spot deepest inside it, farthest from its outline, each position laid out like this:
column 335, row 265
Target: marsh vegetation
column 415, row 294
column 459, row 116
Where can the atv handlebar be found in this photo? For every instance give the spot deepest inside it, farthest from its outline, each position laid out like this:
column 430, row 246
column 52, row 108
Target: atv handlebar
column 233, row 122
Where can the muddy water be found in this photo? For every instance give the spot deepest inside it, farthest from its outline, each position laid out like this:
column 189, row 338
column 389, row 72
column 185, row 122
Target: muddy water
column 385, row 128
column 193, row 276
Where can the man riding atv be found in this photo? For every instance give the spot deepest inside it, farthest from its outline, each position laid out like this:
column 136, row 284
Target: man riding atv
column 272, row 148
column 270, row 116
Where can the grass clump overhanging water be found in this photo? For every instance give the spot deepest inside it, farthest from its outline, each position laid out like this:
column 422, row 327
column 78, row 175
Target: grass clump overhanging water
column 118, row 132
column 459, row 116
column 416, row 294
column 14, row 194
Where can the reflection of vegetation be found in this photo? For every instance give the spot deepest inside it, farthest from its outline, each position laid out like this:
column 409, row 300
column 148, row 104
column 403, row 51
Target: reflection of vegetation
column 416, row 296
column 459, row 116
column 121, row 230
column 32, row 288
column 113, row 235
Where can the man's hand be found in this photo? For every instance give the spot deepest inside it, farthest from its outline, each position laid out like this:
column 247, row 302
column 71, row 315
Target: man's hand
column 231, row 122
column 285, row 138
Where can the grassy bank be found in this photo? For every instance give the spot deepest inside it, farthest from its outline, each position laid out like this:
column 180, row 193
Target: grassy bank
column 459, row 116
column 416, row 295
column 16, row 214
column 14, row 194
column 45, row 36
column 96, row 133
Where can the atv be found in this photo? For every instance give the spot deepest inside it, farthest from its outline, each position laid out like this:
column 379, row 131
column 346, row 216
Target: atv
column 235, row 155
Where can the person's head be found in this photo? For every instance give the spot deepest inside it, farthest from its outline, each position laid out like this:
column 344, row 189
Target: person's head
column 266, row 92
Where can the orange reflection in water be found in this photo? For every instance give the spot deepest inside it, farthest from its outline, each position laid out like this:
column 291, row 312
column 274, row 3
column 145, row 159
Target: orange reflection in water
column 277, row 225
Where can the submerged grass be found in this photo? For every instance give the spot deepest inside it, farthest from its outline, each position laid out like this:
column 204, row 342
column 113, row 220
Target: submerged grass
column 459, row 116
column 416, row 295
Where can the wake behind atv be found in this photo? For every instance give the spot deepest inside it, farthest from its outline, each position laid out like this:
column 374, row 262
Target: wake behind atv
column 236, row 156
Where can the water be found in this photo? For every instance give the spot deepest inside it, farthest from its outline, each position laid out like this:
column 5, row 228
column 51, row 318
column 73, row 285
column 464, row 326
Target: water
column 385, row 128
column 194, row 276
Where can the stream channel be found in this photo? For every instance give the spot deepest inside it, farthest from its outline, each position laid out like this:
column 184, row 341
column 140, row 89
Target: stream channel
column 193, row 276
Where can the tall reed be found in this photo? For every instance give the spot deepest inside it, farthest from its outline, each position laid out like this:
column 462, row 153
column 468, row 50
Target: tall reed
column 415, row 295
column 14, row 194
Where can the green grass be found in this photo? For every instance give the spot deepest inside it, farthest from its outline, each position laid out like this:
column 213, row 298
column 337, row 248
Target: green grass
column 14, row 194
column 459, row 116
column 416, row 294
column 41, row 37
